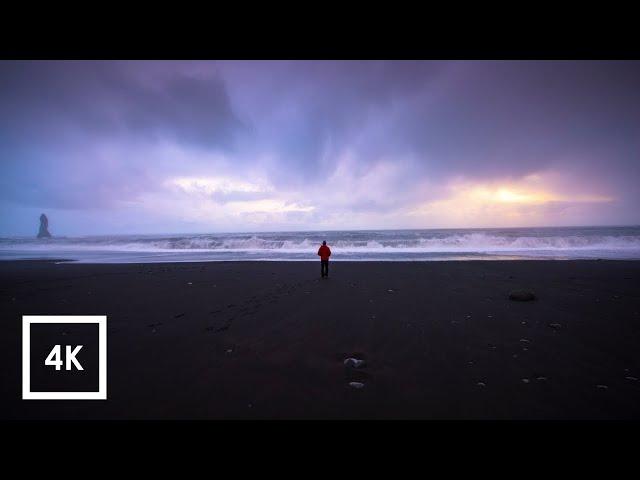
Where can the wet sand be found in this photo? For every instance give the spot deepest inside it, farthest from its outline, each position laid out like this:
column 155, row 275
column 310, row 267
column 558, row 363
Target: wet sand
column 267, row 340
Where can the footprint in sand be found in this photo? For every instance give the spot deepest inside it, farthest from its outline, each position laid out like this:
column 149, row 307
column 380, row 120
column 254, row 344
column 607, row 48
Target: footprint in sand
column 220, row 327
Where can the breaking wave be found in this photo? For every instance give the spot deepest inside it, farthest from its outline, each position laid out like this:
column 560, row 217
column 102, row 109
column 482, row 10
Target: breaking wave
column 600, row 242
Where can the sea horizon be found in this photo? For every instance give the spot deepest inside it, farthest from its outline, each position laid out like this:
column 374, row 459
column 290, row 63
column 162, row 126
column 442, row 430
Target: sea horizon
column 495, row 243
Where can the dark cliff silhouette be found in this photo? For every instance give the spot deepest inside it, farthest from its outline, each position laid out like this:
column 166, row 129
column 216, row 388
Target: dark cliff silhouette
column 44, row 227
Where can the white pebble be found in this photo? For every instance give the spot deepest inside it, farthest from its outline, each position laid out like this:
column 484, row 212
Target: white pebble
column 353, row 362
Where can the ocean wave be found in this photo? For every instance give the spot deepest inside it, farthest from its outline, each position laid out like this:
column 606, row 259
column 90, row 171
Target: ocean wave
column 458, row 242
column 622, row 241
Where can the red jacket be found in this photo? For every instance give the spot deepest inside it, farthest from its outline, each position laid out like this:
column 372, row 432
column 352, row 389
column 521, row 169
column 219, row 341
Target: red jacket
column 324, row 252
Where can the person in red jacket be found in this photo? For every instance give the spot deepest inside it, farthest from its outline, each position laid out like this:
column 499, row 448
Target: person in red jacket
column 324, row 252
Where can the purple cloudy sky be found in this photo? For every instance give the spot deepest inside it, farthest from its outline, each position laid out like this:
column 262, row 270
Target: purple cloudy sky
column 158, row 147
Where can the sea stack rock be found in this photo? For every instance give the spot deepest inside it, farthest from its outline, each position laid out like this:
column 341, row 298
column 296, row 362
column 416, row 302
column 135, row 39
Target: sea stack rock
column 44, row 227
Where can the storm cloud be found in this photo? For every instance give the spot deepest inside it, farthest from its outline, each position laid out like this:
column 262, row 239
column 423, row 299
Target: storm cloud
column 143, row 146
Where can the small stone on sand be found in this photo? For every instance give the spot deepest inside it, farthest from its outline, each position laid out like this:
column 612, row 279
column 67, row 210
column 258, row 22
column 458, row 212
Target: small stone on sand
column 525, row 380
column 602, row 387
column 481, row 384
column 353, row 362
column 356, row 385
column 633, row 379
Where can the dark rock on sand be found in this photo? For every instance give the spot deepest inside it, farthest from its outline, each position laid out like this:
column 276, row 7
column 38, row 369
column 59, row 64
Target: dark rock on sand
column 44, row 227
column 522, row 295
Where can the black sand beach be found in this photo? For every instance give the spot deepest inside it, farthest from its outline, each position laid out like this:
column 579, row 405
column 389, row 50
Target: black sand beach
column 267, row 340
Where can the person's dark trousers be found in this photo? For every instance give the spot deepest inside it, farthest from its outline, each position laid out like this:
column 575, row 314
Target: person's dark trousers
column 324, row 268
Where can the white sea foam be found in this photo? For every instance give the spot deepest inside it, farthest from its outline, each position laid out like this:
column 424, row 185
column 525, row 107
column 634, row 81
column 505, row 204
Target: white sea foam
column 594, row 242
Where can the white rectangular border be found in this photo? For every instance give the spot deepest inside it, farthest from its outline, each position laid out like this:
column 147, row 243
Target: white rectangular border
column 27, row 320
